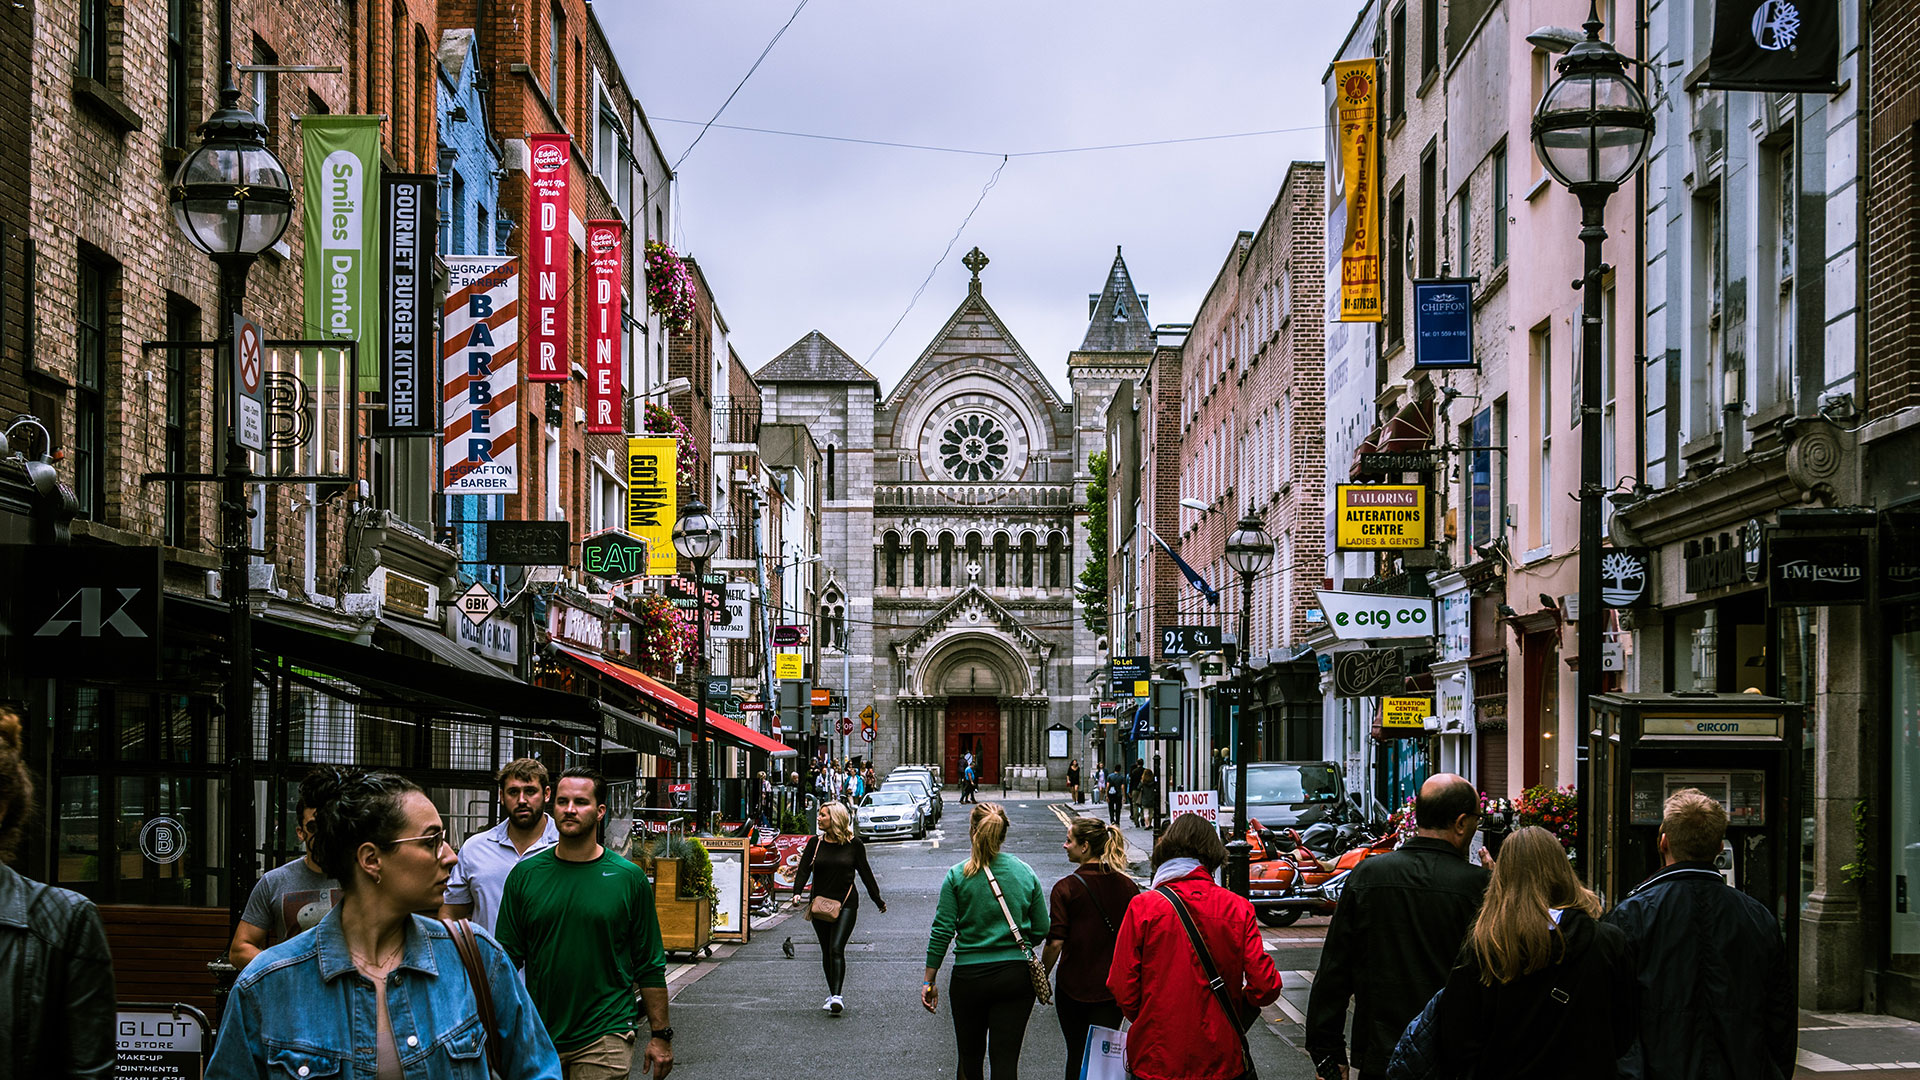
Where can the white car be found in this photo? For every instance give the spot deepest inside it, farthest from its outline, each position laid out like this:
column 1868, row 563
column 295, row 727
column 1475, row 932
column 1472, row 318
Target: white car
column 889, row 813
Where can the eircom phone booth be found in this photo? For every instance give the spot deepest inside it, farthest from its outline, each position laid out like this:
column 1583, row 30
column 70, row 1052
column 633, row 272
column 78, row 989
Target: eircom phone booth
column 1742, row 749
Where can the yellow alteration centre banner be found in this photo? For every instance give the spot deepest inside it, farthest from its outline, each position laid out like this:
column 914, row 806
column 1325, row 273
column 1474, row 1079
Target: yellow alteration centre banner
column 1355, row 85
column 1369, row 517
column 653, row 490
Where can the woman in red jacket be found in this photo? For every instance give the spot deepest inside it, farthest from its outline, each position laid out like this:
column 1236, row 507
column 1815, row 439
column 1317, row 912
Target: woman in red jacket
column 1180, row 1030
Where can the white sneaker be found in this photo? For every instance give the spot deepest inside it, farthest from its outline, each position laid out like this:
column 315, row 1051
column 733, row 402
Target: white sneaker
column 834, row 1004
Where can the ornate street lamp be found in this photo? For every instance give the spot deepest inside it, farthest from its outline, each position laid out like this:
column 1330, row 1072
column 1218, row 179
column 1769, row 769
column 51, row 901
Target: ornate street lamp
column 232, row 200
column 1591, row 131
column 696, row 536
column 1249, row 552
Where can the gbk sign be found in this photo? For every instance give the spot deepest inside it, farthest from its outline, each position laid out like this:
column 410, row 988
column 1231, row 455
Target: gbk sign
column 92, row 611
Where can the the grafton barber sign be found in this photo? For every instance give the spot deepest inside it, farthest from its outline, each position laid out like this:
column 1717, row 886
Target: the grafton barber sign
column 1366, row 616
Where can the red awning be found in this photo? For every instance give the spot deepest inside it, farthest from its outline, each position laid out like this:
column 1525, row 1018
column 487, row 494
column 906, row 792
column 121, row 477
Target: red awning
column 681, row 709
column 1411, row 428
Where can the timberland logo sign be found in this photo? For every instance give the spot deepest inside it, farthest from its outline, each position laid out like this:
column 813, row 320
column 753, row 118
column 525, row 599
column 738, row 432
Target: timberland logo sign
column 1724, row 562
column 84, row 611
column 1624, row 576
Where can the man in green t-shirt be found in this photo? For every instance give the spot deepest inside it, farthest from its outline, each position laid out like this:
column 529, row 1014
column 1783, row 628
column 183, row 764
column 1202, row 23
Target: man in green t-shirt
column 580, row 920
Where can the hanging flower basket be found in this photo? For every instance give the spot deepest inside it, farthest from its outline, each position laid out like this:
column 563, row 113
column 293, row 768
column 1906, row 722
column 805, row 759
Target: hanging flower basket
column 662, row 421
column 1553, row 809
column 670, row 288
column 663, row 634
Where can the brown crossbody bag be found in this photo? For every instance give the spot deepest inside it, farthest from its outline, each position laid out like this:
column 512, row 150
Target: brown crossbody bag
column 469, row 947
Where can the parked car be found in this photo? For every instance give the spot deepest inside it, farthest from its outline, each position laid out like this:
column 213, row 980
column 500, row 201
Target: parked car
column 1291, row 794
column 919, row 776
column 889, row 813
column 934, row 773
column 928, row 799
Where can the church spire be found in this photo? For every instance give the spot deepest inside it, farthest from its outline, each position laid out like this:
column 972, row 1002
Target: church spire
column 1117, row 321
column 976, row 261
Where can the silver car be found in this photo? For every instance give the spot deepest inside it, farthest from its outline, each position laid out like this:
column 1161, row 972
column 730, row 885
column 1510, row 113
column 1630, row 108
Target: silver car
column 914, row 786
column 889, row 814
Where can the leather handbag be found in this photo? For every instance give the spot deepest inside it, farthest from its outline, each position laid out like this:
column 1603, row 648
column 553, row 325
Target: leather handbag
column 826, row 908
column 469, row 948
column 1042, row 990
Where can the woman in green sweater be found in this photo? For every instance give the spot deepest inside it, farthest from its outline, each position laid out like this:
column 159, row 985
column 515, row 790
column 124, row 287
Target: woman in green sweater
column 992, row 992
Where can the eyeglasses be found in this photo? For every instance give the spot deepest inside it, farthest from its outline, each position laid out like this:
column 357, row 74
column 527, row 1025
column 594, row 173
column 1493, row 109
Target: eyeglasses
column 431, row 841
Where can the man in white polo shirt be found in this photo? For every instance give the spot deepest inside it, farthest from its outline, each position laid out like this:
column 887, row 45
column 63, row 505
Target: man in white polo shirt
column 486, row 858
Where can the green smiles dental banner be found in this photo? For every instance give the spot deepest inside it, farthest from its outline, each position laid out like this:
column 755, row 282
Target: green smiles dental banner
column 340, row 158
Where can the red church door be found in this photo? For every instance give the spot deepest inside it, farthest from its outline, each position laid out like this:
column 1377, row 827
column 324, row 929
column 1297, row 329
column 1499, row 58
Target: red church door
column 973, row 723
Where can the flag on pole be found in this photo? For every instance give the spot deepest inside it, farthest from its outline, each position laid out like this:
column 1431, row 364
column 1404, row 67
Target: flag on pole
column 1193, row 576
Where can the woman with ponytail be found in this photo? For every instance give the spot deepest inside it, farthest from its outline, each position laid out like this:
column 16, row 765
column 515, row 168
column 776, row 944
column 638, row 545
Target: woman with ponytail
column 1087, row 906
column 992, row 987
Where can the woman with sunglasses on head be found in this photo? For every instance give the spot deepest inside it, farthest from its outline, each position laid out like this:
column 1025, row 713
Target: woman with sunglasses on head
column 376, row 989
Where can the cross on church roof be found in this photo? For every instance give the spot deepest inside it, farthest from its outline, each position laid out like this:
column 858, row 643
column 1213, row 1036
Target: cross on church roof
column 976, row 261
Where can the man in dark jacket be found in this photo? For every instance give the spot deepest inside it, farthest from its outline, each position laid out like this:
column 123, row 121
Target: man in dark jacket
column 1396, row 932
column 55, row 972
column 1711, row 962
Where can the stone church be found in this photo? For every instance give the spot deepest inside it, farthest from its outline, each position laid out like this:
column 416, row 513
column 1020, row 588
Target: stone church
column 953, row 530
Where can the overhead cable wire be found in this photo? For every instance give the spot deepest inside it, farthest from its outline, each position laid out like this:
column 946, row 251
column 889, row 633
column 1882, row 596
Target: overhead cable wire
column 982, row 153
column 743, row 81
column 991, row 181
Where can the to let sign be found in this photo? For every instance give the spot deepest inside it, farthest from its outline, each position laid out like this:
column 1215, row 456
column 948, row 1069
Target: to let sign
column 1372, row 517
column 1130, row 675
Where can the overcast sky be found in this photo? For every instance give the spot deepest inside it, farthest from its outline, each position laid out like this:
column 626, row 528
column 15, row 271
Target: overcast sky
column 799, row 234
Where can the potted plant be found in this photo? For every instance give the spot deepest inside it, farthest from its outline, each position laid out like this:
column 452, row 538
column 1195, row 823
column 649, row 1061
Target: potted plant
column 683, row 892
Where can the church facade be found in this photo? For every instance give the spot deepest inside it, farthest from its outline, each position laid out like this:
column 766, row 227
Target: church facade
column 953, row 531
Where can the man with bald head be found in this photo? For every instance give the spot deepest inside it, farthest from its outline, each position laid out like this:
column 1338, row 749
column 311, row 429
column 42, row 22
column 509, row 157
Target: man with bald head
column 1395, row 933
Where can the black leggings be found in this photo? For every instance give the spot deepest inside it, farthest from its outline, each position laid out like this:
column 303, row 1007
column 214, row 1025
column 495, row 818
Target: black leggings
column 833, row 942
column 991, row 1003
column 1075, row 1018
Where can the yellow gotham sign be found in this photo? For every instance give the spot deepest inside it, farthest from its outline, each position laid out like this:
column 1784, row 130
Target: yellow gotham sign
column 653, row 490
column 1369, row 517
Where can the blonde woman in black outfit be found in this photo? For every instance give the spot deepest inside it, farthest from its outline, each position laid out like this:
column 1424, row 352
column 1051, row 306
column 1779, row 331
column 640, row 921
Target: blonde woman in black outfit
column 830, row 861
column 1087, row 906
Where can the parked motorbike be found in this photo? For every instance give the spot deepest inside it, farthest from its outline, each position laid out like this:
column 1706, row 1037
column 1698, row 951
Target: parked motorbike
column 1292, row 874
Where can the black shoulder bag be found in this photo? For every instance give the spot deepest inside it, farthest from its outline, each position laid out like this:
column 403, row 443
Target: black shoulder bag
column 1242, row 1017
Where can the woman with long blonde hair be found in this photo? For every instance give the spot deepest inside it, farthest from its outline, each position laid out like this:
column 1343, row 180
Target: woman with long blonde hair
column 1087, row 906
column 1542, row 987
column 991, row 912
column 831, row 860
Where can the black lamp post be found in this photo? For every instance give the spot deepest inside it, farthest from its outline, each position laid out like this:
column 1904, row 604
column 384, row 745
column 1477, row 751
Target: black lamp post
column 232, row 200
column 1591, row 131
column 696, row 536
column 1249, row 552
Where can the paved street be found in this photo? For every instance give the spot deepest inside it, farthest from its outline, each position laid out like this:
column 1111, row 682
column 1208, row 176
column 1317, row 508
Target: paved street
column 758, row 1013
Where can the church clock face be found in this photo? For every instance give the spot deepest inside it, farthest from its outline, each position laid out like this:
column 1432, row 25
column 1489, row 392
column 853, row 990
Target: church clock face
column 974, row 446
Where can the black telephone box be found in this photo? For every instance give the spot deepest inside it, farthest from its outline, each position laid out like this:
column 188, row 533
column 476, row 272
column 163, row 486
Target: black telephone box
column 1742, row 749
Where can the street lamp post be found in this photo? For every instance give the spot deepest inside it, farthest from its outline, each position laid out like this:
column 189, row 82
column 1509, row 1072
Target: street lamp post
column 696, row 536
column 1249, row 552
column 232, row 200
column 1591, row 131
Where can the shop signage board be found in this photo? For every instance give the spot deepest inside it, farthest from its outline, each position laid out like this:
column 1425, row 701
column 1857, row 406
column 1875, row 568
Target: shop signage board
column 1180, row 641
column 1130, row 675
column 340, row 226
column 1205, row 804
column 411, row 226
column 528, row 543
column 1774, row 46
column 1443, row 325
column 821, row 697
column 653, row 498
column 1366, row 616
column 606, row 414
column 789, row 665
column 495, row 639
column 1368, row 673
column 1626, row 575
column 1356, row 85
column 1818, row 571
column 739, row 613
column 1405, row 712
column 613, row 555
column 163, row 840
column 94, row 612
column 549, row 257
column 574, row 626
column 480, row 376
column 719, row 686
column 1899, row 554
column 1736, row 726
column 1375, row 517
column 789, row 635
column 157, row 1044
column 1395, row 462
column 249, row 385
column 1726, row 561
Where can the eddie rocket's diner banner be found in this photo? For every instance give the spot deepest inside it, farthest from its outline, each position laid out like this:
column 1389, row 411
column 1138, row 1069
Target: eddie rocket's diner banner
column 340, row 217
column 605, row 313
column 1356, row 95
column 549, row 258
column 480, row 376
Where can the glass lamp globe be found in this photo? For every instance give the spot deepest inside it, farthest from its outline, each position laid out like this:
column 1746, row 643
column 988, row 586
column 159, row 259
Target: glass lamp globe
column 231, row 196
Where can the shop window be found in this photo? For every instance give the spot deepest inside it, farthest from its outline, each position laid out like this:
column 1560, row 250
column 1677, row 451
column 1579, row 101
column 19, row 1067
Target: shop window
column 1429, row 208
column 1397, row 64
column 182, row 398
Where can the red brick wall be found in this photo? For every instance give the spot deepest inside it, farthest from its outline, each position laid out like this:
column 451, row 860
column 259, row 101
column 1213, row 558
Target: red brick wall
column 1893, row 232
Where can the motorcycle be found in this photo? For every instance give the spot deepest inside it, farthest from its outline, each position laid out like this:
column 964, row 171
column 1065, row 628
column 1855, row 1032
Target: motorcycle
column 1288, row 877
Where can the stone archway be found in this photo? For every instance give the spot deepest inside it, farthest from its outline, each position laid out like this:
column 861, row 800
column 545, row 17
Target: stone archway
column 972, row 690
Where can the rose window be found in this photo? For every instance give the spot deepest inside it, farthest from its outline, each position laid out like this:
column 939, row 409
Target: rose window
column 974, row 447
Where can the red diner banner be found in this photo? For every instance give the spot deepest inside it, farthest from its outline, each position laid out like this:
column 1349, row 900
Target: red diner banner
column 549, row 258
column 604, row 314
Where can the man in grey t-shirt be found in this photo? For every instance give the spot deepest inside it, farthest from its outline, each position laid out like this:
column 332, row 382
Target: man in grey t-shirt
column 290, row 898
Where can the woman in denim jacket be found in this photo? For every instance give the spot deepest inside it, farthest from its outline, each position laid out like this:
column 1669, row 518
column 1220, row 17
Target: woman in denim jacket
column 375, row 990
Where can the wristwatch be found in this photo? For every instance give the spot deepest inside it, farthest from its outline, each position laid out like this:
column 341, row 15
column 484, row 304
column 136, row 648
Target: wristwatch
column 664, row 1034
